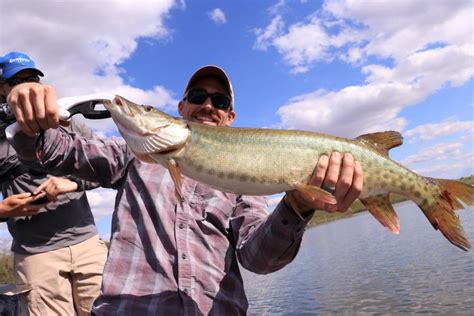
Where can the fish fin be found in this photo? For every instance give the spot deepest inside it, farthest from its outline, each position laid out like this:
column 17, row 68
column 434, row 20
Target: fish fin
column 145, row 158
column 315, row 193
column 382, row 141
column 458, row 190
column 176, row 176
column 441, row 213
column 291, row 200
column 381, row 208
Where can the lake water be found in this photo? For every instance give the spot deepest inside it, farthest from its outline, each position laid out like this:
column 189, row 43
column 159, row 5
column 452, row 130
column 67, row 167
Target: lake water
column 357, row 266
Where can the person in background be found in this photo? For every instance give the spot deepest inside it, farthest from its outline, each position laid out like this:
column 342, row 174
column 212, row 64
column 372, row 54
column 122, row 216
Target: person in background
column 58, row 254
column 170, row 257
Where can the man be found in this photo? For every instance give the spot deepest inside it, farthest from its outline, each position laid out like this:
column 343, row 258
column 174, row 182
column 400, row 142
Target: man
column 169, row 258
column 57, row 251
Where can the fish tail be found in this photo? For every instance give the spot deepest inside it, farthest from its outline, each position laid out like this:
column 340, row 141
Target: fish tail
column 442, row 211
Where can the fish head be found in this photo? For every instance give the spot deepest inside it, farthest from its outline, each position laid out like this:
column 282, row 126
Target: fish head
column 148, row 132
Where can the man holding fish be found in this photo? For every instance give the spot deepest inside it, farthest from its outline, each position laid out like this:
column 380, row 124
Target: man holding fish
column 176, row 243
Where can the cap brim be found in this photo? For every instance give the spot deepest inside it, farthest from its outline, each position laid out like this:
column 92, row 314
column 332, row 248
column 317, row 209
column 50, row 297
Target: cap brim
column 11, row 72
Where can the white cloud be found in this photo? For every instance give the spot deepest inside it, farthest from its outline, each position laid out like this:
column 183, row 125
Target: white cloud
column 451, row 170
column 444, row 160
column 431, row 131
column 273, row 201
column 265, row 35
column 407, row 26
column 218, row 16
column 303, row 45
column 277, row 7
column 90, row 41
column 5, row 238
column 351, row 111
column 429, row 48
column 441, row 151
column 352, row 31
column 102, row 202
column 431, row 68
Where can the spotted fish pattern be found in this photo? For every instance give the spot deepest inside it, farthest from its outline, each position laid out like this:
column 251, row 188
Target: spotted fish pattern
column 254, row 161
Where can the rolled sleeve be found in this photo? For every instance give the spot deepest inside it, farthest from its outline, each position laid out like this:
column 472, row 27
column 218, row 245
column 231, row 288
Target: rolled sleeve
column 285, row 221
column 268, row 243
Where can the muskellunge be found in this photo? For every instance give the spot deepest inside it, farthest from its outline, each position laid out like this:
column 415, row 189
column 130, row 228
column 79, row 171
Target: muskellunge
column 266, row 161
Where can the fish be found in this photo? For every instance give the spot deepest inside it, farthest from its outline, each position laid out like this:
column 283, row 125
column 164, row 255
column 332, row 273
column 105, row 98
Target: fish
column 253, row 161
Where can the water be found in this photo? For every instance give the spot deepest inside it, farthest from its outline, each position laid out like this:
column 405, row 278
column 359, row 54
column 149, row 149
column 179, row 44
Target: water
column 357, row 266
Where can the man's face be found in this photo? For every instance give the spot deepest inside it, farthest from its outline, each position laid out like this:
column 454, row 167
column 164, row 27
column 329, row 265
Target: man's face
column 205, row 113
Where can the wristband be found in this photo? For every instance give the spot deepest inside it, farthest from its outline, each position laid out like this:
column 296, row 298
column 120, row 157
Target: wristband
column 79, row 183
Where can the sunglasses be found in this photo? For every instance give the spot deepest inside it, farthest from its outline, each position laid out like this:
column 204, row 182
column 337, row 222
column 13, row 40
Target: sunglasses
column 17, row 80
column 199, row 96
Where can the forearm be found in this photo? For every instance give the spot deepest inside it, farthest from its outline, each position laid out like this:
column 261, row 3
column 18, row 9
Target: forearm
column 84, row 185
column 64, row 153
column 3, row 211
column 273, row 242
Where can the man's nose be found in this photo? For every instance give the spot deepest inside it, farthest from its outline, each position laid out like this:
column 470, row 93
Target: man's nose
column 207, row 103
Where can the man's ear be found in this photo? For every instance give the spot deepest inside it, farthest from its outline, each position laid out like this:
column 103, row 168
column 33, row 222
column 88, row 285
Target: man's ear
column 230, row 118
column 180, row 107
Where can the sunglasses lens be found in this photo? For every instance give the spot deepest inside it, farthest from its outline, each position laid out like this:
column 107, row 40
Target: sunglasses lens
column 220, row 101
column 197, row 96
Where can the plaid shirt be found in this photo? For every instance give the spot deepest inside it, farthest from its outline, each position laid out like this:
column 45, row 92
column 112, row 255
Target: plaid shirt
column 168, row 257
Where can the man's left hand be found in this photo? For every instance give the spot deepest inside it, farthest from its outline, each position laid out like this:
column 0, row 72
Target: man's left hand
column 338, row 173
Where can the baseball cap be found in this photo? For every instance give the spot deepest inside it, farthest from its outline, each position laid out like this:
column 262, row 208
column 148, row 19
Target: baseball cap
column 214, row 72
column 14, row 62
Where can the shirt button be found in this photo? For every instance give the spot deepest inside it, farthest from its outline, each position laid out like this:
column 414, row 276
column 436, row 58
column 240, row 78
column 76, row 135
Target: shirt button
column 181, row 225
column 183, row 256
column 185, row 291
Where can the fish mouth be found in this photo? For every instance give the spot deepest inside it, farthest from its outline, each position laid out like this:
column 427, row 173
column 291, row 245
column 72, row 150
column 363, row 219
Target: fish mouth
column 170, row 151
column 146, row 130
column 123, row 114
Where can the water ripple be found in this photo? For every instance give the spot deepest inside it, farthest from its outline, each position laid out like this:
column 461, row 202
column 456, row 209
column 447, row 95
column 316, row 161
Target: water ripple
column 356, row 266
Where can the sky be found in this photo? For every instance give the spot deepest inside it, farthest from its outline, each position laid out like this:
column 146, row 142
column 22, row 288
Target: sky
column 341, row 67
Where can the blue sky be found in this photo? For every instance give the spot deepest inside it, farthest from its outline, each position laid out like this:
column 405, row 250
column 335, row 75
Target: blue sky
column 339, row 67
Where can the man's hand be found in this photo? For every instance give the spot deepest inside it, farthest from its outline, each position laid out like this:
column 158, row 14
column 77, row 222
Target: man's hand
column 339, row 173
column 34, row 106
column 21, row 205
column 55, row 186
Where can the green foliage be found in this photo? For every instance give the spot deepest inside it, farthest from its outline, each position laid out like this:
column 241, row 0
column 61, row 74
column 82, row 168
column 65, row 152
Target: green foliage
column 468, row 180
column 6, row 269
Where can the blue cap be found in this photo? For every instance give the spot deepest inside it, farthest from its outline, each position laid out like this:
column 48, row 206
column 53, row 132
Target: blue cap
column 13, row 62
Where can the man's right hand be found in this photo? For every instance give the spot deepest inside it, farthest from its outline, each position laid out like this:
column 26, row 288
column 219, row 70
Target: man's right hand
column 34, row 106
column 55, row 186
column 21, row 205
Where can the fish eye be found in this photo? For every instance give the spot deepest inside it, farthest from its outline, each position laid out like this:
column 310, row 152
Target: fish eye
column 148, row 108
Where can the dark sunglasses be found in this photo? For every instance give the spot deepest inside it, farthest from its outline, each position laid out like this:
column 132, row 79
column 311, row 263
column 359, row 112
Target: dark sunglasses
column 199, row 96
column 17, row 80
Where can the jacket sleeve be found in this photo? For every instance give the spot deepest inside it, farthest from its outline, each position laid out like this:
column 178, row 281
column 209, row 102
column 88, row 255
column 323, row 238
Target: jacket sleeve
column 266, row 242
column 64, row 152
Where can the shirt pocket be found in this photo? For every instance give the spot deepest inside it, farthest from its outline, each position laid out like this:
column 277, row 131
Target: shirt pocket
column 213, row 207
